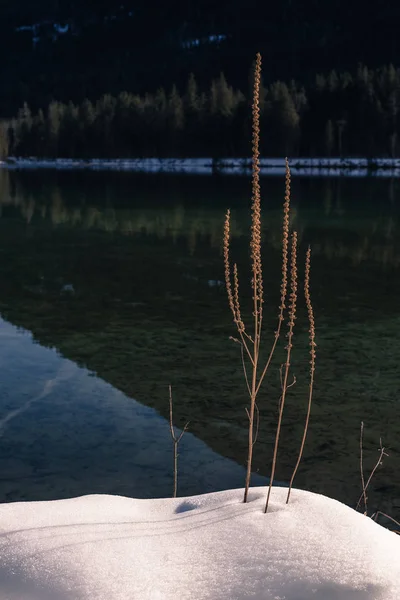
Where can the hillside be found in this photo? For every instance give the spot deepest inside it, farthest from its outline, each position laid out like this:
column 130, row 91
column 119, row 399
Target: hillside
column 69, row 50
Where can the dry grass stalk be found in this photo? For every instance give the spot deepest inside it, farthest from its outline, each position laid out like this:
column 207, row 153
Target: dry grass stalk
column 379, row 462
column 255, row 242
column 236, row 301
column 233, row 300
column 176, row 441
column 285, row 251
column 228, row 284
column 285, row 386
column 312, row 362
column 250, row 344
column 257, row 285
column 362, row 465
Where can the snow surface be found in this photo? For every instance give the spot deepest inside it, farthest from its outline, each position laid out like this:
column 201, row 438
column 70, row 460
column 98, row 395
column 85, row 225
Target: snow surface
column 210, row 546
column 321, row 167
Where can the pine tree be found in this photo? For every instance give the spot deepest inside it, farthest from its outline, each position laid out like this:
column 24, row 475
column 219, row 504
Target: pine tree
column 3, row 141
column 175, row 121
column 283, row 120
column 103, row 125
column 299, row 97
column 329, row 138
column 191, row 97
column 333, row 81
column 24, row 127
column 341, row 126
column 159, row 124
column 320, row 83
column 38, row 137
column 54, row 118
column 86, row 141
column 69, row 132
column 221, row 97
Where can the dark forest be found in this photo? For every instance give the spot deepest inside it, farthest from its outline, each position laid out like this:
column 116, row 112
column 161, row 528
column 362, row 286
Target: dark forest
column 136, row 78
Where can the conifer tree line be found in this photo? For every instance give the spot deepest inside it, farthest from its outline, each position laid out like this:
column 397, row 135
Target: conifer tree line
column 340, row 114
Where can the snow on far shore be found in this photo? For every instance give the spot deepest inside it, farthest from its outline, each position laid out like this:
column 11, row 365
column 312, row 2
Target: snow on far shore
column 352, row 167
column 210, row 546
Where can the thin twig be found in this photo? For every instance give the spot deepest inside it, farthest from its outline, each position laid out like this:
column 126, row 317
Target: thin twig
column 362, row 466
column 292, row 318
column 379, row 512
column 287, row 388
column 241, row 333
column 312, row 364
column 176, row 441
column 243, row 362
column 382, row 453
column 245, row 370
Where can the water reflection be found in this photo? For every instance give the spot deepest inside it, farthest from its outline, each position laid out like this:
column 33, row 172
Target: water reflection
column 374, row 228
column 64, row 432
column 114, row 271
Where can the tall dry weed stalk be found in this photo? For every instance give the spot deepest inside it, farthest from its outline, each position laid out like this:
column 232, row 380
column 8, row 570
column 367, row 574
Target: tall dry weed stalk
column 250, row 343
column 312, row 363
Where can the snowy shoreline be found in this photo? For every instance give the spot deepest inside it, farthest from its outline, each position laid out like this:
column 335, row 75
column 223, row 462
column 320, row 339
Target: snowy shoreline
column 350, row 167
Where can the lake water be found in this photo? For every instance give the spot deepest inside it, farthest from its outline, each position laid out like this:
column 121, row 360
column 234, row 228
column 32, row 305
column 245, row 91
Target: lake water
column 111, row 289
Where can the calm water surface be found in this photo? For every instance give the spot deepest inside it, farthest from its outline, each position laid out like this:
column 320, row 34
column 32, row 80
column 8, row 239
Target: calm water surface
column 112, row 289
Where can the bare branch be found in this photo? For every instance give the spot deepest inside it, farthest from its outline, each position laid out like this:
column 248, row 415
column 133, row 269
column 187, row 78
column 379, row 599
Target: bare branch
column 182, row 432
column 175, row 441
column 362, row 466
column 382, row 453
column 379, row 512
column 171, row 425
column 243, row 363
column 245, row 370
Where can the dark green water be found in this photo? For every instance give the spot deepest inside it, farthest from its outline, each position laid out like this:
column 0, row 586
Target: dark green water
column 120, row 274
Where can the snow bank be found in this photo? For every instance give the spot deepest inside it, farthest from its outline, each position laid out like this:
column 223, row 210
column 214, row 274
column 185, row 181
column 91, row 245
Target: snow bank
column 210, row 546
column 353, row 167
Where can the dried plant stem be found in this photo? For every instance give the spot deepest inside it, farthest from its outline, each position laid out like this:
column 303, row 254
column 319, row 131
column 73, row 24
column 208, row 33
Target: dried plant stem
column 379, row 512
column 245, row 369
column 292, row 318
column 312, row 363
column 233, row 299
column 257, row 281
column 250, row 344
column 382, row 453
column 362, row 466
column 285, row 246
column 176, row 441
